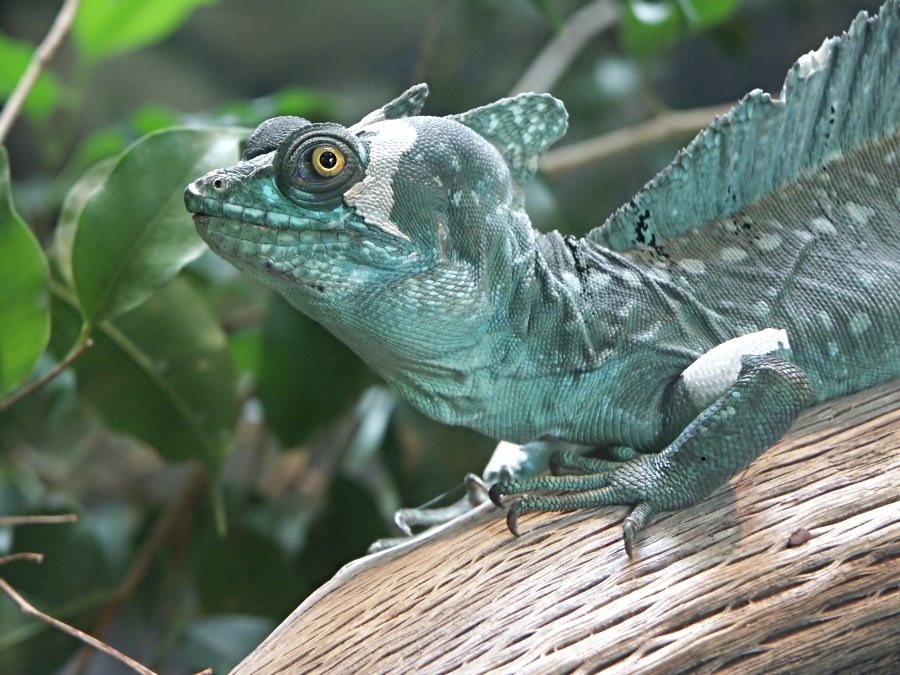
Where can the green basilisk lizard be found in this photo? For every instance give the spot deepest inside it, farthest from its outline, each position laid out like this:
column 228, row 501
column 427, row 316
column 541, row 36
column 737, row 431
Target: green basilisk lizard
column 757, row 274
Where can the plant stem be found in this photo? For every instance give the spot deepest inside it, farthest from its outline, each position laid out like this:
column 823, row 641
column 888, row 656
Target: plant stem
column 39, row 60
column 82, row 344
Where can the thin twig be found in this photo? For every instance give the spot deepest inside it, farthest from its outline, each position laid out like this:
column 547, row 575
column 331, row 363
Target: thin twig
column 39, row 60
column 83, row 343
column 667, row 125
column 552, row 61
column 30, row 610
column 15, row 521
column 24, row 555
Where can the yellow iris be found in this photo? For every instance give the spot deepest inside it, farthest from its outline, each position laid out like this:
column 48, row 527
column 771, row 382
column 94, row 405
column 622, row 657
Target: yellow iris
column 327, row 160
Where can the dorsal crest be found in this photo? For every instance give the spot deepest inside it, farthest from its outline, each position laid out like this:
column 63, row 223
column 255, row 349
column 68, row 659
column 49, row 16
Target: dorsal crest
column 521, row 128
column 407, row 104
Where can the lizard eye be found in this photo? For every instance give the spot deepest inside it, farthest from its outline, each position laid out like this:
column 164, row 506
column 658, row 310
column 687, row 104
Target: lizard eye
column 317, row 163
column 327, row 160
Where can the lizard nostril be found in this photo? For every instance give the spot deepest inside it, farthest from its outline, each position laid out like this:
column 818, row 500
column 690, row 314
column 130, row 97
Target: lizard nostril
column 217, row 183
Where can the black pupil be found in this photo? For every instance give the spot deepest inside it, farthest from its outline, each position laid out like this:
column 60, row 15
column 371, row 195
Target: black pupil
column 328, row 160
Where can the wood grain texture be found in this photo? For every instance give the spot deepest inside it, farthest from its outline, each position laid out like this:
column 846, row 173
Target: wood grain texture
column 711, row 588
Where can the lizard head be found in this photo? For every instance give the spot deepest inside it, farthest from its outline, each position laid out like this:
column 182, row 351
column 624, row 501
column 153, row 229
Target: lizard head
column 396, row 213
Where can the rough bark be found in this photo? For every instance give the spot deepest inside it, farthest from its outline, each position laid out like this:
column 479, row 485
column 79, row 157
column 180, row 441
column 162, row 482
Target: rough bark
column 714, row 587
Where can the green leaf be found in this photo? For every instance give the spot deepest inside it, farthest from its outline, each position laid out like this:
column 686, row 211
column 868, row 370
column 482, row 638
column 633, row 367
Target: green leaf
column 133, row 233
column 153, row 117
column 162, row 373
column 651, row 26
column 14, row 58
column 24, row 308
column 106, row 27
column 100, row 145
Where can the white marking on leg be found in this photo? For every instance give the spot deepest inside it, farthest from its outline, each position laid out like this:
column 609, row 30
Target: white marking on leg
column 714, row 372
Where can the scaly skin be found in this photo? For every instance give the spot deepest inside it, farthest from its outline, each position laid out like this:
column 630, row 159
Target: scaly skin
column 694, row 325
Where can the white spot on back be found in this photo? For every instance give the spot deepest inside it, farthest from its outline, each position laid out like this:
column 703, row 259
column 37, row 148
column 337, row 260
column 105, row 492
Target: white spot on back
column 860, row 323
column 822, row 225
column 732, row 254
column 858, row 213
column 768, row 242
column 692, row 266
column 631, row 278
column 373, row 197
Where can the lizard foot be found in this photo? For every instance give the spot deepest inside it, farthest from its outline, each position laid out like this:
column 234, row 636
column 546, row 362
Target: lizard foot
column 612, row 483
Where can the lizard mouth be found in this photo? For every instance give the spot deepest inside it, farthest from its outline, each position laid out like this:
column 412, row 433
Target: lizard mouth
column 222, row 218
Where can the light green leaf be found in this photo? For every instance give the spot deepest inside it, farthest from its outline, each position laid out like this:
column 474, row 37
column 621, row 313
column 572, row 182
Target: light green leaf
column 24, row 308
column 67, row 225
column 162, row 373
column 106, row 27
column 133, row 233
column 14, row 58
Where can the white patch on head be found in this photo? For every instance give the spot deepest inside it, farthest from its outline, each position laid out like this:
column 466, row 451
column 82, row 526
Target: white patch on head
column 714, row 372
column 373, row 196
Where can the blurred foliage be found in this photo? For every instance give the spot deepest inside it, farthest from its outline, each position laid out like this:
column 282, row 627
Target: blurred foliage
column 224, row 453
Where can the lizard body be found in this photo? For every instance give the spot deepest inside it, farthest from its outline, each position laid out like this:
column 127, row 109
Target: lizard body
column 758, row 273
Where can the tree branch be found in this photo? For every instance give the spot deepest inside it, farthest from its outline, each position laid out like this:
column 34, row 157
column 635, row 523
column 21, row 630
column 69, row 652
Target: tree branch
column 39, row 60
column 30, row 610
column 37, row 558
column 668, row 125
column 15, row 521
column 552, row 61
column 721, row 585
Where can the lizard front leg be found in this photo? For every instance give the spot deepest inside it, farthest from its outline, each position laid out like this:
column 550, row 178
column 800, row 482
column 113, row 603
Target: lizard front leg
column 724, row 438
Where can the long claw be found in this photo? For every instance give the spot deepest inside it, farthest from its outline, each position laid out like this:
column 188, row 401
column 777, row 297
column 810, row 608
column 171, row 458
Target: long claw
column 512, row 522
column 635, row 521
column 628, row 531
